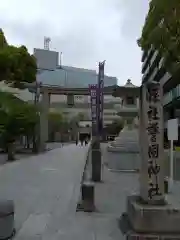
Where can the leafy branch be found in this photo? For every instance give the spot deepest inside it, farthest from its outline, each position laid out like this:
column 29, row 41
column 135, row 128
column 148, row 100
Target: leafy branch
column 162, row 31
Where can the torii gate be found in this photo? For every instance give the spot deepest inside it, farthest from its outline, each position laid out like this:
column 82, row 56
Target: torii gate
column 46, row 91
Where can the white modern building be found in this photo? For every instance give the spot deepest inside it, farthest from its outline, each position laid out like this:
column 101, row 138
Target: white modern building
column 51, row 74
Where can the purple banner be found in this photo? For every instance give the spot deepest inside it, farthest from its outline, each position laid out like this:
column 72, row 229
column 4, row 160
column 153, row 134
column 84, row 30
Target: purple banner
column 93, row 97
column 100, row 97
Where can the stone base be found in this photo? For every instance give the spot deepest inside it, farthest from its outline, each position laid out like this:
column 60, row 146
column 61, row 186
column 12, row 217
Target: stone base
column 135, row 236
column 7, row 230
column 87, row 199
column 96, row 165
column 127, row 141
column 151, row 221
column 84, row 207
column 146, row 218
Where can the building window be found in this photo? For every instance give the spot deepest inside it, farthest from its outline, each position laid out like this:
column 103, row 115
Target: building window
column 130, row 101
column 79, row 97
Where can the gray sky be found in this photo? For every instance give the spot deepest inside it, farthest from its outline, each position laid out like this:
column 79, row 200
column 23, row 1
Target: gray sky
column 86, row 31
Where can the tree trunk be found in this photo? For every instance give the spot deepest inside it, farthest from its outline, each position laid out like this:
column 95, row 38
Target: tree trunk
column 28, row 141
column 11, row 153
column 35, row 145
column 24, row 141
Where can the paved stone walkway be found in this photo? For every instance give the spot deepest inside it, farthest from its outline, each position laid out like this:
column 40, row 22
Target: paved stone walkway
column 45, row 190
column 110, row 201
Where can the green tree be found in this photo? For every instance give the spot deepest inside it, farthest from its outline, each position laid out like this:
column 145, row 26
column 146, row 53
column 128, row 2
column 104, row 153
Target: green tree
column 56, row 122
column 16, row 118
column 80, row 116
column 162, row 31
column 17, row 66
column 115, row 127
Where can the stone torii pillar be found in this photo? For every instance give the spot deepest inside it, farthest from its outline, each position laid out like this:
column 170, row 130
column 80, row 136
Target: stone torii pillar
column 45, row 102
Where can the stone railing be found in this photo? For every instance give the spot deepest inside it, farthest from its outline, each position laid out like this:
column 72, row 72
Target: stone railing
column 87, row 167
column 83, row 202
column 91, row 174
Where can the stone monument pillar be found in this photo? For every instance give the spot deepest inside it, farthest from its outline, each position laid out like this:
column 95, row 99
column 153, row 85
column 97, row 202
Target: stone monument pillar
column 148, row 215
column 45, row 102
column 152, row 147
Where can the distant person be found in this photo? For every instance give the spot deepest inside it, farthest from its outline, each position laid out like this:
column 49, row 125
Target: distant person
column 86, row 141
column 76, row 142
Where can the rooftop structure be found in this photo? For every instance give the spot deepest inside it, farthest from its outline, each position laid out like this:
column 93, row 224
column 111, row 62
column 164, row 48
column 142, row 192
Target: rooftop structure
column 51, row 73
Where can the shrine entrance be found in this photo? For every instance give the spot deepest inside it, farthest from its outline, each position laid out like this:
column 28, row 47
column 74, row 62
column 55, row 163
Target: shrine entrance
column 46, row 92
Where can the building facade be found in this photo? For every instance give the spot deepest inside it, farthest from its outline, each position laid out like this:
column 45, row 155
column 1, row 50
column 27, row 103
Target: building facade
column 153, row 69
column 51, row 73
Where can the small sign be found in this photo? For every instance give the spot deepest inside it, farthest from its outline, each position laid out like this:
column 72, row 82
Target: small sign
column 172, row 129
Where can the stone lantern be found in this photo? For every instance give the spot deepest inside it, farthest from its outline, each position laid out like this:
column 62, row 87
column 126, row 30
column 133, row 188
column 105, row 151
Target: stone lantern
column 128, row 139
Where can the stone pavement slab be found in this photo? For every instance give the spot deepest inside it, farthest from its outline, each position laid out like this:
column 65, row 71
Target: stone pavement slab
column 44, row 188
column 110, row 201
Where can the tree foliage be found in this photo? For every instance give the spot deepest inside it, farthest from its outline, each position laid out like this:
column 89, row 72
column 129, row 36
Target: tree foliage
column 162, row 31
column 55, row 121
column 74, row 121
column 57, row 124
column 115, row 127
column 16, row 117
column 80, row 116
column 16, row 64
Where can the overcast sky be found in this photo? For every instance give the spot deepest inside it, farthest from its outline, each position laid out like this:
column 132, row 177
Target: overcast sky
column 86, row 31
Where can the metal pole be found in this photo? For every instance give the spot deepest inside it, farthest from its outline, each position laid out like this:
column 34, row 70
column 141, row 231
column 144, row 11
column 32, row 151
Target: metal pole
column 97, row 128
